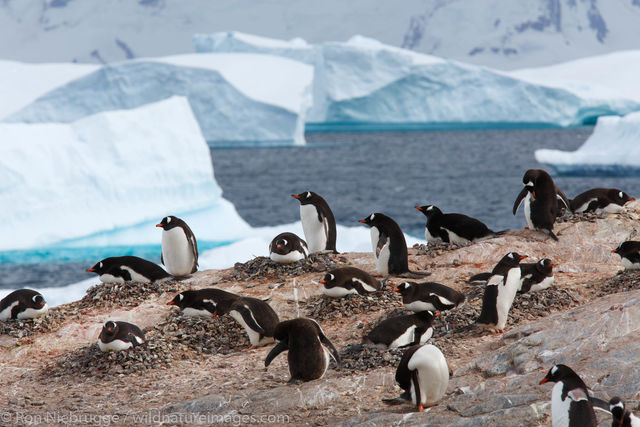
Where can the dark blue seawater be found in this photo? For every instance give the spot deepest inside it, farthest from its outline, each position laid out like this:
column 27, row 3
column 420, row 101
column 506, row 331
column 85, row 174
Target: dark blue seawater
column 476, row 172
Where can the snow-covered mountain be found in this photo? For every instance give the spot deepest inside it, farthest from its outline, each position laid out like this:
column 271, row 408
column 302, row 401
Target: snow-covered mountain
column 504, row 34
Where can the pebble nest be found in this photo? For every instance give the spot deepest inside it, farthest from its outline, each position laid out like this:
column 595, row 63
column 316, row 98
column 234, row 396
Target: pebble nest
column 359, row 357
column 20, row 328
column 263, row 267
column 321, row 307
column 434, row 249
column 626, row 280
column 208, row 335
column 128, row 294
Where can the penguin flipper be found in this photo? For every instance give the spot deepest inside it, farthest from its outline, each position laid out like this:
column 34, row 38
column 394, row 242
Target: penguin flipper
column 248, row 319
column 416, row 387
column 414, row 274
column 519, row 199
column 325, row 341
column 599, row 404
column 382, row 241
column 161, row 259
column 480, row 277
column 276, row 350
column 561, row 196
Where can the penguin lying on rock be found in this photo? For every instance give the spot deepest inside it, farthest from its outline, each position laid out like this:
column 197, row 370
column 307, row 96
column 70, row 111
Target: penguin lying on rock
column 629, row 251
column 429, row 296
column 402, row 331
column 118, row 336
column 287, row 247
column 599, row 200
column 453, row 227
column 257, row 318
column 23, row 304
column 344, row 281
column 128, row 269
column 203, row 302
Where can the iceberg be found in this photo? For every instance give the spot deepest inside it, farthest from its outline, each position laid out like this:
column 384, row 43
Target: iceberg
column 108, row 178
column 236, row 98
column 612, row 150
column 365, row 84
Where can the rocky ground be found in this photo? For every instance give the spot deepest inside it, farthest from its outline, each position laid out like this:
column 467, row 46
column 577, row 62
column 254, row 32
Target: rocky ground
column 192, row 368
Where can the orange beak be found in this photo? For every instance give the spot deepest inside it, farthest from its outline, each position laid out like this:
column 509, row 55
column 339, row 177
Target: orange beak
column 437, row 314
column 364, row 221
column 323, row 281
column 533, row 193
column 91, row 270
column 41, row 304
column 544, row 380
column 158, row 225
column 295, row 196
column 215, row 314
column 631, row 199
column 524, row 256
column 419, row 208
column 279, row 246
column 396, row 290
column 170, row 303
column 615, row 251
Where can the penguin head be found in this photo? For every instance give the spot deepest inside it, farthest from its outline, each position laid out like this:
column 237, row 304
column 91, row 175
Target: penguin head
column 530, row 177
column 110, row 328
column 374, row 220
column 402, row 287
column 620, row 197
column 545, row 265
column 513, row 258
column 180, row 300
column 627, row 248
column 429, row 211
column 307, row 197
column 98, row 268
column 558, row 373
column 328, row 279
column 169, row 222
column 617, row 408
column 37, row 301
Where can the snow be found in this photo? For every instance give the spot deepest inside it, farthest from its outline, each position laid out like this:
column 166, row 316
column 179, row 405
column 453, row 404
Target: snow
column 612, row 149
column 105, row 176
column 236, row 98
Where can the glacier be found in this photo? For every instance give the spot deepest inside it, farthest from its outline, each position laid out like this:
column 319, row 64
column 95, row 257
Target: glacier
column 612, row 150
column 365, row 84
column 108, row 178
column 238, row 99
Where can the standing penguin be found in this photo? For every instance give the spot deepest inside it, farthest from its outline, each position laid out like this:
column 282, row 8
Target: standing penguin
column 203, row 302
column 423, row 374
column 343, row 281
column 318, row 223
column 402, row 331
column 629, row 251
column 118, row 336
column 598, row 200
column 287, row 247
column 310, row 351
column 540, row 201
column 389, row 246
column 128, row 268
column 429, row 296
column 570, row 403
column 452, row 227
column 622, row 417
column 500, row 291
column 257, row 318
column 179, row 247
column 23, row 304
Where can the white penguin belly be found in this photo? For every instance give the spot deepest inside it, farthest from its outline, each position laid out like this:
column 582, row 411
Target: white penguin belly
column 315, row 232
column 559, row 407
column 454, row 238
column 382, row 259
column 527, row 210
column 254, row 336
column 419, row 306
column 406, row 338
column 433, row 374
column 548, row 281
column 115, row 345
column 193, row 312
column 628, row 265
column 108, row 278
column 32, row 313
column 292, row 256
column 135, row 276
column 176, row 252
column 611, row 208
column 506, row 294
column 430, row 238
column 338, row 292
column 6, row 313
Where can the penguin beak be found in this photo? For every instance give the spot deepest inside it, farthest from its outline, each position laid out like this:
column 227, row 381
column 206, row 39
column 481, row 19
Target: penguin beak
column 615, row 251
column 158, row 225
column 323, row 281
column 295, row 196
column 170, row 303
column 215, row 314
column 544, row 380
column 279, row 246
column 364, row 221
column 42, row 304
column 631, row 199
column 419, row 208
column 437, row 314
column 523, row 257
column 91, row 270
column 396, row 290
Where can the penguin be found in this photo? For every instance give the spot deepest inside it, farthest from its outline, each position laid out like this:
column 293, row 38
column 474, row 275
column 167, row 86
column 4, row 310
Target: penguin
column 429, row 296
column 126, row 269
column 287, row 247
column 310, row 351
column 622, row 417
column 402, row 331
column 534, row 276
column 452, row 227
column 540, row 197
column 257, row 318
column 318, row 223
column 389, row 246
column 118, row 336
column 203, row 302
column 343, row 281
column 570, row 402
column 179, row 247
column 500, row 291
column 599, row 200
column 629, row 251
column 23, row 304
column 423, row 374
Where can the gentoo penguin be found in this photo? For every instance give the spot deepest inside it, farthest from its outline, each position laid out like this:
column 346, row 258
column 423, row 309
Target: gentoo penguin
column 500, row 291
column 423, row 374
column 570, row 403
column 179, row 247
column 318, row 223
column 629, row 251
column 122, row 269
column 287, row 247
column 534, row 276
column 402, row 331
column 310, row 350
column 452, row 227
column 203, row 302
column 343, row 281
column 540, row 201
column 23, row 304
column 622, row 417
column 598, row 200
column 429, row 296
column 117, row 336
column 256, row 317
column 389, row 245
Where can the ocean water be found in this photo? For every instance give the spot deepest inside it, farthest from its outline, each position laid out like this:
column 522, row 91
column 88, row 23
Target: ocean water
column 475, row 172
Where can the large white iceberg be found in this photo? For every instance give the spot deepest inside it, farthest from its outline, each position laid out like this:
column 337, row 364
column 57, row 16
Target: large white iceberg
column 236, row 98
column 108, row 178
column 612, row 149
column 364, row 83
